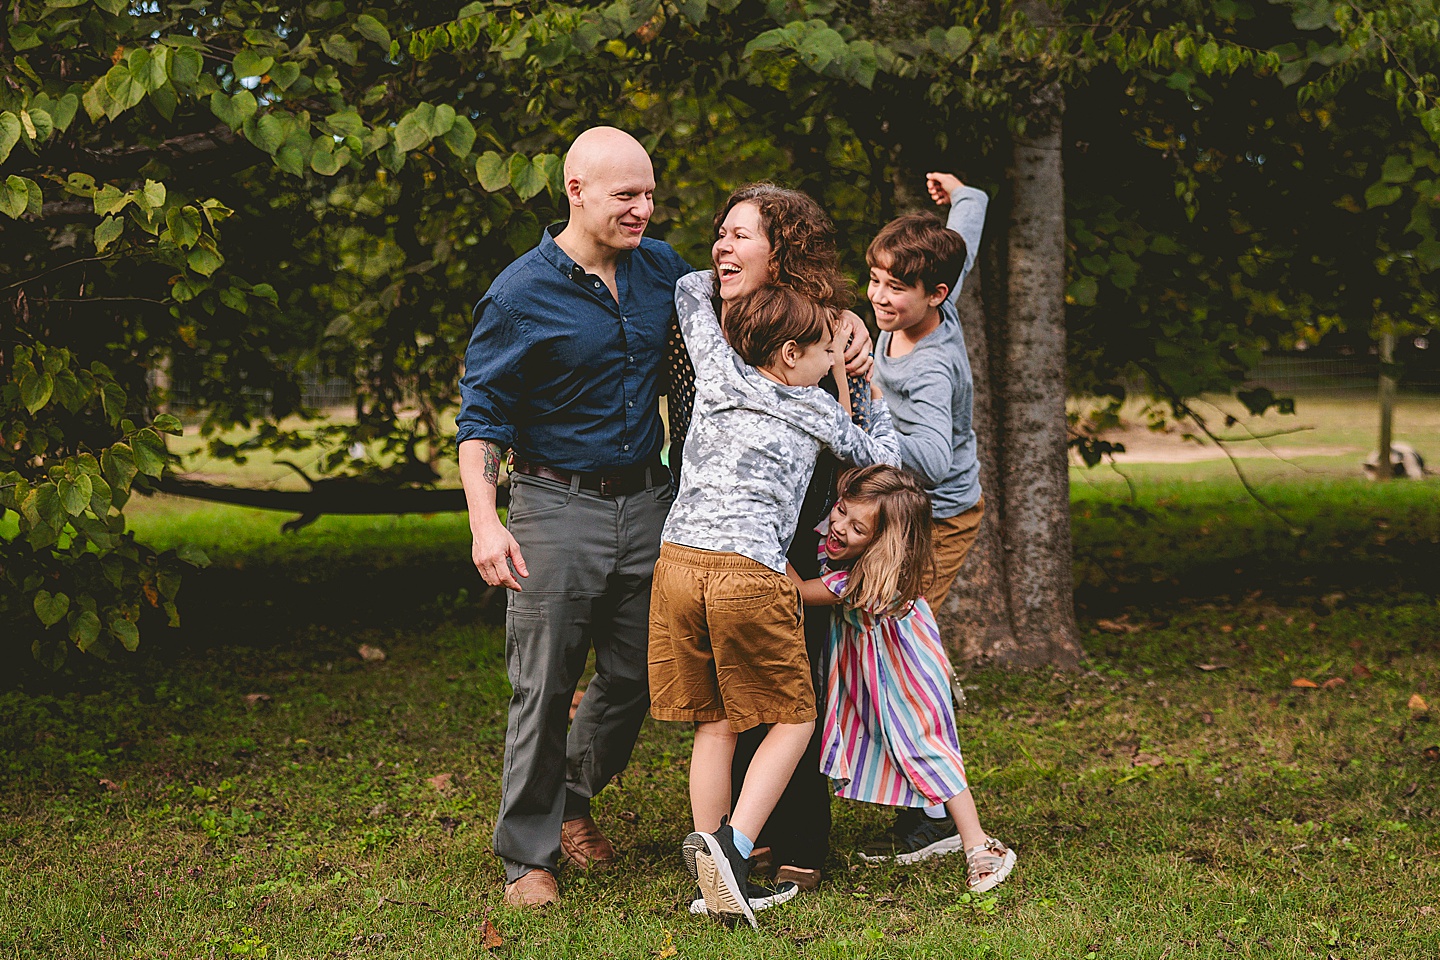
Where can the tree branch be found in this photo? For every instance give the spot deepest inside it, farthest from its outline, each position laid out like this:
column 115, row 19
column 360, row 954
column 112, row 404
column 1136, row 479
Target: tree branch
column 62, row 266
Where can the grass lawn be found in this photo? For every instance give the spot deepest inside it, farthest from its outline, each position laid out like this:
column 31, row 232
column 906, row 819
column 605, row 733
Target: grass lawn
column 247, row 785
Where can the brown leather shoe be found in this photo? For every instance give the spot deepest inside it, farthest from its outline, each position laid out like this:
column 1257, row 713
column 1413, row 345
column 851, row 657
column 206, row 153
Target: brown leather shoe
column 536, row 889
column 806, row 880
column 582, row 841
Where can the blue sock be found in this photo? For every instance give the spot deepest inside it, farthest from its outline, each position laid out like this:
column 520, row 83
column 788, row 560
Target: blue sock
column 743, row 844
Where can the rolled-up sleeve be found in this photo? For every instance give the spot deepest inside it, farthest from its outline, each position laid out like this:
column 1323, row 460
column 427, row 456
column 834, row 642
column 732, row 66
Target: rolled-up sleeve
column 493, row 380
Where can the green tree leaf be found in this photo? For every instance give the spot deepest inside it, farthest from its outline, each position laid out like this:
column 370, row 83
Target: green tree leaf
column 184, row 226
column 249, row 63
column 75, row 494
column 414, row 128
column 460, row 137
column 168, row 423
column 20, row 196
column 525, row 177
column 492, row 171
column 126, row 632
column 117, row 462
column 345, row 123
column 339, row 48
column 1381, row 194
column 204, row 259
column 1397, row 169
column 267, row 133
column 85, row 629
column 107, row 232
column 233, row 111
column 149, row 453
column 372, row 29
column 51, row 608
column 284, row 75
column 442, row 120
column 35, row 389
column 552, row 168
column 9, row 133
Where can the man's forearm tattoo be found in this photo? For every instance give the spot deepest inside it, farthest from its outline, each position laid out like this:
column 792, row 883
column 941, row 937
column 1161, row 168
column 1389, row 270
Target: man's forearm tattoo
column 492, row 464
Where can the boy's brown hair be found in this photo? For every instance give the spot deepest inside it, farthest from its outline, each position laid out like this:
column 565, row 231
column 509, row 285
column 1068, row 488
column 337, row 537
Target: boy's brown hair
column 759, row 323
column 918, row 248
column 802, row 242
column 900, row 560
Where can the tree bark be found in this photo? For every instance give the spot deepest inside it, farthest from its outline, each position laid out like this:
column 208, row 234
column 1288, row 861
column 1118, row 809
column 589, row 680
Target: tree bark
column 976, row 619
column 1034, row 469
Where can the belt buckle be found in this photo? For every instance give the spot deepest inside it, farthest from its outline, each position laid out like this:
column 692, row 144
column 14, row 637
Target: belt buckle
column 607, row 485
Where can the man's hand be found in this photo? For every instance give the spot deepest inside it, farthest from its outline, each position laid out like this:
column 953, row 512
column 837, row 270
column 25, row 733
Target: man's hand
column 858, row 361
column 941, row 186
column 493, row 549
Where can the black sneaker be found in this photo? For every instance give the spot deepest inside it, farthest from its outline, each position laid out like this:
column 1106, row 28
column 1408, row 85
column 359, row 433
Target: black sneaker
column 760, row 896
column 912, row 838
column 721, row 873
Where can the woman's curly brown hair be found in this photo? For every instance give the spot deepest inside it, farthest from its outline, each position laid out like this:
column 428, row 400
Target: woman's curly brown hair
column 802, row 243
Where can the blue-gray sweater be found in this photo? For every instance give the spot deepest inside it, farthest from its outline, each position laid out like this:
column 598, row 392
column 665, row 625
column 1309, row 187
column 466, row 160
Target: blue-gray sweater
column 930, row 391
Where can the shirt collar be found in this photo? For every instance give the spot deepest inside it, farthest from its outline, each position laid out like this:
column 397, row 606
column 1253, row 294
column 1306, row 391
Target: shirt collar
column 551, row 251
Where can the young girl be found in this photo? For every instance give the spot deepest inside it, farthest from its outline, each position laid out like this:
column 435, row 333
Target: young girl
column 727, row 646
column 889, row 733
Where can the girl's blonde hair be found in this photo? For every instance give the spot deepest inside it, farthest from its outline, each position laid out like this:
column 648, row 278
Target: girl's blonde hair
column 900, row 561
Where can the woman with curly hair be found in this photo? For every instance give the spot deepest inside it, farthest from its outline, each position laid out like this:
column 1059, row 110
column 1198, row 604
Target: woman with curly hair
column 768, row 236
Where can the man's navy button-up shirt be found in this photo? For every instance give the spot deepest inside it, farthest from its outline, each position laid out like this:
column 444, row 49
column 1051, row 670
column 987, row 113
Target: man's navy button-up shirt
column 559, row 372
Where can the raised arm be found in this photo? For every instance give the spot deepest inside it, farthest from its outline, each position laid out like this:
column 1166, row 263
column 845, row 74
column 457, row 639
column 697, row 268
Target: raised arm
column 967, row 217
column 704, row 338
column 880, row 444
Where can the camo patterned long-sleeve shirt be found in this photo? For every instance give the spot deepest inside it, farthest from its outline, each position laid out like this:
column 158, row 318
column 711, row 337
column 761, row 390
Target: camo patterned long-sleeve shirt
column 752, row 443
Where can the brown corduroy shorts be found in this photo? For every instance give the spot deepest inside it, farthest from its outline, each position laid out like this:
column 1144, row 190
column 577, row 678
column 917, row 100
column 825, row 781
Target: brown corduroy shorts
column 953, row 539
column 727, row 642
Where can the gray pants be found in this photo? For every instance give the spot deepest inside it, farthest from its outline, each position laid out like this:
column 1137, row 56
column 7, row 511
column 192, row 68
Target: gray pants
column 591, row 560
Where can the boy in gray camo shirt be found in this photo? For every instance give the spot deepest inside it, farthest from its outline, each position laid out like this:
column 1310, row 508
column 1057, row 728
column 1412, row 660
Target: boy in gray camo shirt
column 727, row 646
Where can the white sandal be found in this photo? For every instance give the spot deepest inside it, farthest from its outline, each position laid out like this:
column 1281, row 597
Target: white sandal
column 992, row 861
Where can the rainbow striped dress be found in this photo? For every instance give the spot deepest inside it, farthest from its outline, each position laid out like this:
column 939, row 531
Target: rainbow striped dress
column 889, row 734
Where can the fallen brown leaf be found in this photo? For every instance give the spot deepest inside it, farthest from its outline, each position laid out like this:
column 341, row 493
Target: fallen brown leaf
column 1360, row 671
column 110, row 785
column 1333, row 682
column 253, row 698
column 629, row 816
column 1427, row 910
column 1207, row 718
column 1208, row 667
column 1118, row 625
column 1431, row 753
column 441, row 781
column 1302, row 682
column 1417, row 704
column 1146, row 760
column 370, row 654
column 490, row 938
column 1226, row 628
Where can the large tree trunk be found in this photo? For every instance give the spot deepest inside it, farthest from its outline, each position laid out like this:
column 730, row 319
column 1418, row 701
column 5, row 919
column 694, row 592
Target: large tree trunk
column 976, row 618
column 1034, row 469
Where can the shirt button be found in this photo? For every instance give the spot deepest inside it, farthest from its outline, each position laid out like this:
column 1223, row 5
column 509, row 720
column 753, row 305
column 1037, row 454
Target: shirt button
column 630, row 359
column 597, row 283
column 630, row 403
column 627, row 446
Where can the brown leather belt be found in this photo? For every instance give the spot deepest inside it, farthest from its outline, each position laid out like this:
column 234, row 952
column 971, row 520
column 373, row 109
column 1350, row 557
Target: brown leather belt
column 616, row 482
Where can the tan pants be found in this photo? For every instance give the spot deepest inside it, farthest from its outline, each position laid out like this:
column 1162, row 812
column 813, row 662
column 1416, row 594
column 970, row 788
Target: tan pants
column 953, row 537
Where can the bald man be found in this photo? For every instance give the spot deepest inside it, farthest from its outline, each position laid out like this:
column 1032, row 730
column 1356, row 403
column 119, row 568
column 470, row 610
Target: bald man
column 563, row 370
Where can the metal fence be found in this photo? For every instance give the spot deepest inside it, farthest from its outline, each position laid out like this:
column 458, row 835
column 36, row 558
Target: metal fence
column 1358, row 376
